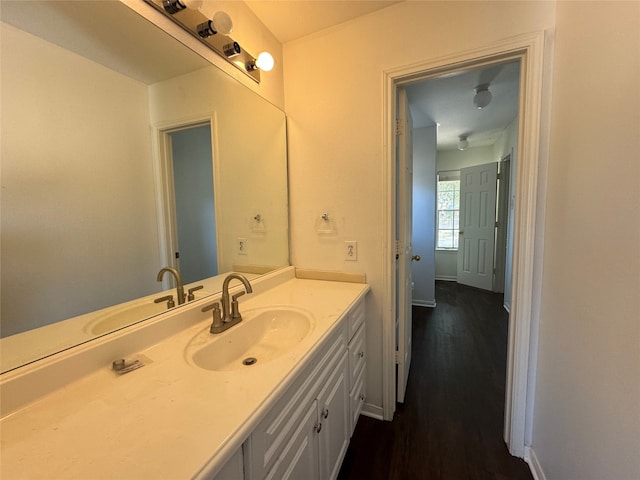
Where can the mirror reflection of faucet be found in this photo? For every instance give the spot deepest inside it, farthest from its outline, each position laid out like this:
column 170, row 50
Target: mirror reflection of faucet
column 168, row 299
column 230, row 314
column 179, row 286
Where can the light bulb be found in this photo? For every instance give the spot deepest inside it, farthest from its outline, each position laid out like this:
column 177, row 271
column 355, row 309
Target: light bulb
column 222, row 23
column 265, row 62
column 463, row 143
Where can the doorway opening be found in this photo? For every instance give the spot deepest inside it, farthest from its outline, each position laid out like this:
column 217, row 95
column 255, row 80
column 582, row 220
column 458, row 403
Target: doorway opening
column 528, row 50
column 187, row 209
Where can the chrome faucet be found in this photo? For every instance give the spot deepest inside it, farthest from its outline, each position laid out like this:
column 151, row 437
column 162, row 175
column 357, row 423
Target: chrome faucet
column 179, row 285
column 230, row 314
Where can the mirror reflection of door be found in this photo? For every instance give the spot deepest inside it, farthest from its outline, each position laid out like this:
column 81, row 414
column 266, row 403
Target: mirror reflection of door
column 195, row 222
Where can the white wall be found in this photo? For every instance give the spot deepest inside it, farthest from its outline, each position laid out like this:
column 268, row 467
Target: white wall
column 424, row 215
column 447, row 260
column 587, row 406
column 71, row 171
column 334, row 105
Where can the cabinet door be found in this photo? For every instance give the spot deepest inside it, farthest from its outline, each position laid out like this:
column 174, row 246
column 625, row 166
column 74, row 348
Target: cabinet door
column 299, row 459
column 333, row 412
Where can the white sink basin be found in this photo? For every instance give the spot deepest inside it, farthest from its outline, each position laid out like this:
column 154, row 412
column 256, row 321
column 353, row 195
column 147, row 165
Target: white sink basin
column 263, row 334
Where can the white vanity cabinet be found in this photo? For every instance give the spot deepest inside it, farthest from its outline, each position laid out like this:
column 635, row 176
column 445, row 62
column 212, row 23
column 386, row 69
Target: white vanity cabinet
column 306, row 434
column 357, row 363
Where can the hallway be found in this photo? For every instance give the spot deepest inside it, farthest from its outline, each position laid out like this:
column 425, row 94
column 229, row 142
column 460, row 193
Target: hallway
column 450, row 426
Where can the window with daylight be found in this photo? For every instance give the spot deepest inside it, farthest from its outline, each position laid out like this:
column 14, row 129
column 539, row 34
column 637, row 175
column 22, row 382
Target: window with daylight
column 448, row 210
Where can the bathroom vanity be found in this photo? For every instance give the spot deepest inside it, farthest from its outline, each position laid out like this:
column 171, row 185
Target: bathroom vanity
column 198, row 408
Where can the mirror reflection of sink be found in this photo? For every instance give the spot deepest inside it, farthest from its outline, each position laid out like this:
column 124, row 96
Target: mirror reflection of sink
column 121, row 316
column 264, row 334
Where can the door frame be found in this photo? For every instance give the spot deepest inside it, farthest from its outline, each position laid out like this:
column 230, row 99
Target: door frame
column 530, row 50
column 163, row 176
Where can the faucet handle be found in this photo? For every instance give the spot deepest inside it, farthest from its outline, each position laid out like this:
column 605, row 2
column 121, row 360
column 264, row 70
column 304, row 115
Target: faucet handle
column 211, row 306
column 234, row 298
column 216, row 326
column 191, row 296
column 168, row 299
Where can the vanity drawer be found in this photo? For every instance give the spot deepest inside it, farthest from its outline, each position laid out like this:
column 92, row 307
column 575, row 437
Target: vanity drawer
column 356, row 318
column 357, row 356
column 357, row 397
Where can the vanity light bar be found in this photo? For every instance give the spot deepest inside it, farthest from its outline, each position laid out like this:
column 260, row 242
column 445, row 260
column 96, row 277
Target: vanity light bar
column 199, row 26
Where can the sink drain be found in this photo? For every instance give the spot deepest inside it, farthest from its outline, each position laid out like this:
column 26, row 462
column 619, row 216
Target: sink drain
column 249, row 361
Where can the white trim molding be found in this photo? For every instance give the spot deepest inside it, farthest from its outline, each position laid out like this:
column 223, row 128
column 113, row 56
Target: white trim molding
column 373, row 411
column 529, row 50
column 424, row 303
column 447, row 278
column 534, row 465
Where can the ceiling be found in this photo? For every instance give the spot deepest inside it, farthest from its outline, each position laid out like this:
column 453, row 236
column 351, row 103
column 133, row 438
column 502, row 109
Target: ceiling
column 446, row 101
column 292, row 19
column 137, row 49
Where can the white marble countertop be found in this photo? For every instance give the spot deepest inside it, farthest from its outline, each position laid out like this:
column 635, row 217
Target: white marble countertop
column 168, row 419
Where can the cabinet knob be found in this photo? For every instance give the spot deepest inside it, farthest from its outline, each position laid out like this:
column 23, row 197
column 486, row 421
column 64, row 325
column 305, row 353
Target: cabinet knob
column 361, row 354
column 325, row 413
column 362, row 396
column 317, row 427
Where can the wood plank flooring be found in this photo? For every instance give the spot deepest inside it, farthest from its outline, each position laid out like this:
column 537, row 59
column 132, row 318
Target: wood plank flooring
column 450, row 426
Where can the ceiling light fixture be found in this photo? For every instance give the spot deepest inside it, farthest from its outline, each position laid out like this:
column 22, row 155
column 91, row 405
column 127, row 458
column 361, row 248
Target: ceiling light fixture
column 482, row 97
column 463, row 143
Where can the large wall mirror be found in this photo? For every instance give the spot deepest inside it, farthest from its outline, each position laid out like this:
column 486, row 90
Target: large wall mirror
column 123, row 152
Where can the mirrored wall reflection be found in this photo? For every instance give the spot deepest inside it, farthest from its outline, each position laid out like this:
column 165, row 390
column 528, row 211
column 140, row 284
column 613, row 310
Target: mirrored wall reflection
column 93, row 95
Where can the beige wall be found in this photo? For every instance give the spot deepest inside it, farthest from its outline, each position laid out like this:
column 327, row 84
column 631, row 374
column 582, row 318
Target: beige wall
column 69, row 182
column 249, row 158
column 333, row 99
column 587, row 412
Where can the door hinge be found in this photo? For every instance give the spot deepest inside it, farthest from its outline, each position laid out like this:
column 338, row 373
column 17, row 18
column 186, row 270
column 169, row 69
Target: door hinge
column 499, row 176
column 497, row 224
column 397, row 357
column 399, row 127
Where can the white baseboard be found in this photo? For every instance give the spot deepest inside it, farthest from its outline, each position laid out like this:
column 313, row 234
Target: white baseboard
column 425, row 303
column 447, row 278
column 534, row 465
column 373, row 411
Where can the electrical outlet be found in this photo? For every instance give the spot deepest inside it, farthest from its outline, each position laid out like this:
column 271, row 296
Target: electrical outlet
column 242, row 246
column 351, row 251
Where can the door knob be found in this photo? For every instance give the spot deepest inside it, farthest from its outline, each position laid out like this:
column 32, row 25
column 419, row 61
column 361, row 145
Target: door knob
column 416, row 258
column 460, row 232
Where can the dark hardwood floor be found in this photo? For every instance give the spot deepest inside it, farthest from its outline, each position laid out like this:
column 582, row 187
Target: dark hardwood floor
column 450, row 426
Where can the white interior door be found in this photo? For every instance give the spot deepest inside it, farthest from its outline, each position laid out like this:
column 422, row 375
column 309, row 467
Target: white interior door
column 477, row 225
column 404, row 217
